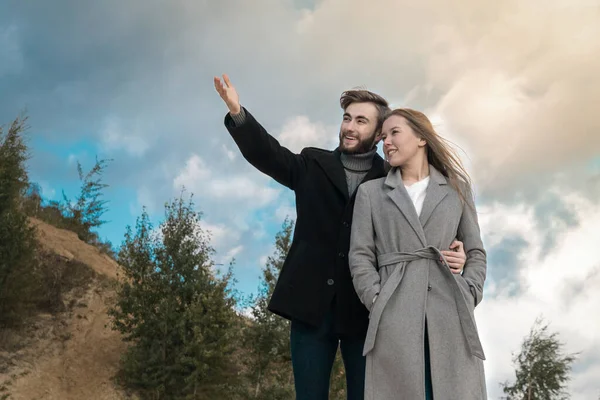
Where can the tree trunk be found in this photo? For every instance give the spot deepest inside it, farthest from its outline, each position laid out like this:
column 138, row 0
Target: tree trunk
column 257, row 390
column 259, row 376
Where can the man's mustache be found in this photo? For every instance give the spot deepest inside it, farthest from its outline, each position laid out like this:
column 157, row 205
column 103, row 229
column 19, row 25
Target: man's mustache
column 348, row 135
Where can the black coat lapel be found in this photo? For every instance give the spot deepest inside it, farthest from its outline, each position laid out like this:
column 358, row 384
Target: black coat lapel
column 332, row 165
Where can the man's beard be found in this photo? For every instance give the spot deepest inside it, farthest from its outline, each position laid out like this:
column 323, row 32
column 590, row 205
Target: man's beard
column 364, row 146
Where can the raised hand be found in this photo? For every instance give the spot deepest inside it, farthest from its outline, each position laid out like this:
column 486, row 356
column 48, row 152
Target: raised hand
column 228, row 94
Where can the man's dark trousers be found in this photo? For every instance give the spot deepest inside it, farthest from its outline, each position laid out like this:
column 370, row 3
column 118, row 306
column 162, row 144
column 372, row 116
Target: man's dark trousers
column 313, row 354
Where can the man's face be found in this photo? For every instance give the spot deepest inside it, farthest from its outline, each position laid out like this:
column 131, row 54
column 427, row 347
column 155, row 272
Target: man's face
column 357, row 133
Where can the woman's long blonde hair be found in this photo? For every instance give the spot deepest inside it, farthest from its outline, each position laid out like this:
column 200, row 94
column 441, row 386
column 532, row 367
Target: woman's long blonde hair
column 440, row 152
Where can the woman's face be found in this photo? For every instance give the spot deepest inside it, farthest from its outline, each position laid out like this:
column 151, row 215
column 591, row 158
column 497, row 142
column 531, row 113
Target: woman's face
column 400, row 143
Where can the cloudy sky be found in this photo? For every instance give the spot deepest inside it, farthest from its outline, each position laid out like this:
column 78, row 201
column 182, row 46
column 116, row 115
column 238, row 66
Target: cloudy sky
column 515, row 84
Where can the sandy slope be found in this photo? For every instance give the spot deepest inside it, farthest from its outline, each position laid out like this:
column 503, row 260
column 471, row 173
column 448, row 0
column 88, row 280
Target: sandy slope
column 76, row 355
column 67, row 244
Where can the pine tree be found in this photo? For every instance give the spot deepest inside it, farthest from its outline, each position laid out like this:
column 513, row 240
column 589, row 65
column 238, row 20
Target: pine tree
column 177, row 313
column 542, row 369
column 87, row 210
column 266, row 338
column 17, row 237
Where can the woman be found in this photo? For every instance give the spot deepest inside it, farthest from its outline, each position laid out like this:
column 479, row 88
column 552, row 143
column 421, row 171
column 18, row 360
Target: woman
column 422, row 341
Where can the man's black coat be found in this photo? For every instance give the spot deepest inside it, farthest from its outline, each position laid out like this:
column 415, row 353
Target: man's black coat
column 315, row 274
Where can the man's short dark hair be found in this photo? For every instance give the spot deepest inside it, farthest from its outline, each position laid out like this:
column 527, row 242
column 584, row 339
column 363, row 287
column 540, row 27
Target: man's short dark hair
column 365, row 96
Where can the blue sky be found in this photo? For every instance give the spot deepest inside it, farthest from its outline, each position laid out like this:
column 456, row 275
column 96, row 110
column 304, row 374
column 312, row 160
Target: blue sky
column 123, row 207
column 514, row 84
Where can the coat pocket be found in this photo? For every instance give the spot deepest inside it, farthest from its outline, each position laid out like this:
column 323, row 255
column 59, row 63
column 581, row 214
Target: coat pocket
column 466, row 291
column 294, row 260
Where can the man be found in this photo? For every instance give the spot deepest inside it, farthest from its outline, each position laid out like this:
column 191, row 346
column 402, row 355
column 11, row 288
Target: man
column 314, row 289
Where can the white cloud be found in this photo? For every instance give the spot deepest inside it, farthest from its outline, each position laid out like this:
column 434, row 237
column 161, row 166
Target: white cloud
column 233, row 252
column 133, row 138
column 199, row 179
column 520, row 96
column 146, row 197
column 299, row 132
column 72, row 159
column 225, row 240
column 246, row 312
column 285, row 211
column 230, row 154
column 48, row 192
column 518, row 109
column 240, row 188
column 263, row 260
column 222, row 259
column 218, row 233
column 563, row 286
column 10, row 51
column 195, row 170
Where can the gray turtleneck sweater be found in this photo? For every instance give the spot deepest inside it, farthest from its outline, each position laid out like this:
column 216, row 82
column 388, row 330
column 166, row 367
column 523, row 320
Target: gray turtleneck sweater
column 356, row 166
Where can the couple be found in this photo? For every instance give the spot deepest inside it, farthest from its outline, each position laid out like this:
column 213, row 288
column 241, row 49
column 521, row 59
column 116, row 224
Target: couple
column 374, row 267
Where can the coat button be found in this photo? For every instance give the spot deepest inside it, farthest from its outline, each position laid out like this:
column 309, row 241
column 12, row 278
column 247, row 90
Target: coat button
column 429, row 287
column 345, row 224
column 330, row 282
column 341, row 255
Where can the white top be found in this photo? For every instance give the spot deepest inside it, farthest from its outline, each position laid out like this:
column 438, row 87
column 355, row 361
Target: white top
column 416, row 191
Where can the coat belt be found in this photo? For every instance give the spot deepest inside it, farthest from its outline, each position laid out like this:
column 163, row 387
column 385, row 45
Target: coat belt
column 432, row 253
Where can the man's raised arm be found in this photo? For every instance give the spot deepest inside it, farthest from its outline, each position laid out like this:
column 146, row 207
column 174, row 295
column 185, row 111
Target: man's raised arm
column 259, row 148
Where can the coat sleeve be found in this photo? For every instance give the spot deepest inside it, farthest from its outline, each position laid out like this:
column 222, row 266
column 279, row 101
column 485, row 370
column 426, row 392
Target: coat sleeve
column 362, row 256
column 468, row 232
column 264, row 152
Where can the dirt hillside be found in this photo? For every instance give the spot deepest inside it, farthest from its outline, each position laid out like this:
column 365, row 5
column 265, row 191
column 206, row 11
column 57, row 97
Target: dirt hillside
column 67, row 244
column 72, row 355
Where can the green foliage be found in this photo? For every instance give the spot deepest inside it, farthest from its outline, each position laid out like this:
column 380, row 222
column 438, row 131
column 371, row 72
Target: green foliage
column 337, row 390
column 32, row 201
column 17, row 237
column 57, row 277
column 80, row 216
column 176, row 312
column 542, row 369
column 266, row 338
column 13, row 156
column 87, row 210
column 30, row 280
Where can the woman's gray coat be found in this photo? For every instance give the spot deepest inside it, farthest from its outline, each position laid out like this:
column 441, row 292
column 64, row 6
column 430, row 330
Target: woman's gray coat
column 396, row 253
